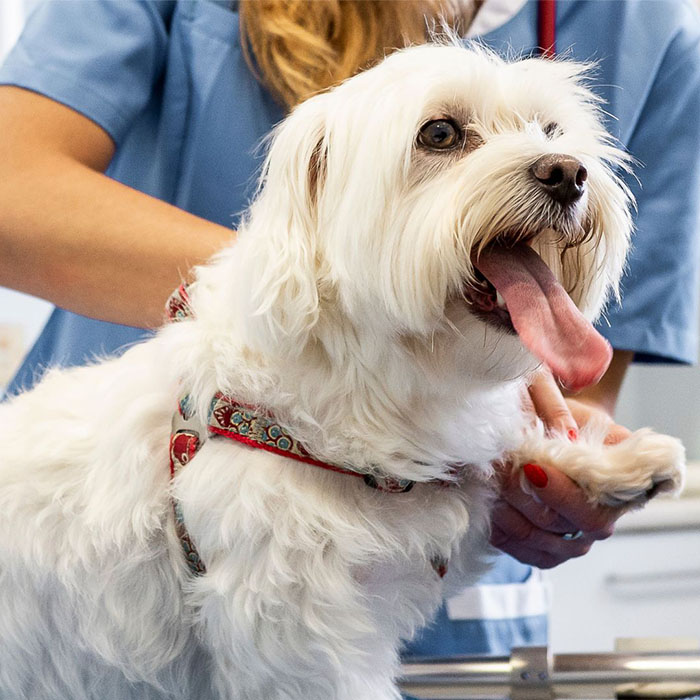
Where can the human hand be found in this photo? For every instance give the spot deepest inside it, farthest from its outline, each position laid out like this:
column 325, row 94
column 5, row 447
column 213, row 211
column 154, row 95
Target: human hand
column 531, row 528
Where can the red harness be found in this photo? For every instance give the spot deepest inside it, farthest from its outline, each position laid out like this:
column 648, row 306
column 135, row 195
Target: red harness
column 255, row 428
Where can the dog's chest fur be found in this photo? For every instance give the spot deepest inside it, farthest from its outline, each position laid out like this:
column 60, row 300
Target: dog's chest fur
column 95, row 530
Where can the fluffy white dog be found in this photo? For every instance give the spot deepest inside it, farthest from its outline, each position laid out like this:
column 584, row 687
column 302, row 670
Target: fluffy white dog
column 353, row 330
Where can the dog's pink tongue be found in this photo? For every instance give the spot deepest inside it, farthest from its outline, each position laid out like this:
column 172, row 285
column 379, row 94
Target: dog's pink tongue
column 545, row 317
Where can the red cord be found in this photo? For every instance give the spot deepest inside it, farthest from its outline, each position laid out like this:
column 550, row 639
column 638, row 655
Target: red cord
column 546, row 27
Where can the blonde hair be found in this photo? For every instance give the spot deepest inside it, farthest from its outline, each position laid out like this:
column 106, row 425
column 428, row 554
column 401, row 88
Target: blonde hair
column 300, row 47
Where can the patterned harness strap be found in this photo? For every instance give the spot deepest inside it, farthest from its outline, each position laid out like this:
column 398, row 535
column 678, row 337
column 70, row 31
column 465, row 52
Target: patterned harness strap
column 230, row 419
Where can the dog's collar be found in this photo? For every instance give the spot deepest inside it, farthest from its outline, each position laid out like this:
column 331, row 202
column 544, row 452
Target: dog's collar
column 228, row 418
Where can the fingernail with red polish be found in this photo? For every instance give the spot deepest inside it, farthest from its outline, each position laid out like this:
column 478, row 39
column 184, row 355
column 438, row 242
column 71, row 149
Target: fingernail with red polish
column 536, row 475
column 573, row 435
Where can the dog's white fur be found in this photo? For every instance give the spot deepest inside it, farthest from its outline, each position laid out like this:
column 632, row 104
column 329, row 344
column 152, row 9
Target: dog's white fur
column 339, row 309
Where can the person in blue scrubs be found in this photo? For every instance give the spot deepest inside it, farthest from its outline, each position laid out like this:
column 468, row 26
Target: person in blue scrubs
column 159, row 97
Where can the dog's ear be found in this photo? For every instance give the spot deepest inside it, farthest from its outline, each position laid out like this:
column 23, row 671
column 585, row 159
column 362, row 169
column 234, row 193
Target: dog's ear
column 284, row 227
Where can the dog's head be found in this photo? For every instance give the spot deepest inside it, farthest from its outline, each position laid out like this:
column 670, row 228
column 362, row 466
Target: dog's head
column 405, row 197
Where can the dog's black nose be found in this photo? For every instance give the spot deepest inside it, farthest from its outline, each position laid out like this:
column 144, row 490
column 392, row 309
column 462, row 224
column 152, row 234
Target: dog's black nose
column 562, row 177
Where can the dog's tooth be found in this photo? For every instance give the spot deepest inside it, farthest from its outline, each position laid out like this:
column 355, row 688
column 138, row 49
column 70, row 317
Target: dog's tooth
column 500, row 300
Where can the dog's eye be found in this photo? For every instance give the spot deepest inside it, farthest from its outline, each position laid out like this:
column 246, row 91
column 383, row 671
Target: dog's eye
column 552, row 129
column 440, row 134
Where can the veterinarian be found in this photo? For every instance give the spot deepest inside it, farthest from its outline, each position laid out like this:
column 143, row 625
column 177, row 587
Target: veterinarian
column 127, row 146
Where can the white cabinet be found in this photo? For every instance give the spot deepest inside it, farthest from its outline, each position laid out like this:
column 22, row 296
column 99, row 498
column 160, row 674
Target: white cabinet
column 642, row 582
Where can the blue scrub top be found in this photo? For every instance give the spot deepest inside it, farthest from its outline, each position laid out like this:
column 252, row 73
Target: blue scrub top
column 168, row 82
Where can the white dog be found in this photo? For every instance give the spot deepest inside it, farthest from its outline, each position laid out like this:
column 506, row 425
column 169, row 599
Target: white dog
column 352, row 330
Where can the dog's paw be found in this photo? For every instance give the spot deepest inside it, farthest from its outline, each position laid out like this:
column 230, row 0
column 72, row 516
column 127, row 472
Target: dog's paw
column 640, row 467
column 628, row 473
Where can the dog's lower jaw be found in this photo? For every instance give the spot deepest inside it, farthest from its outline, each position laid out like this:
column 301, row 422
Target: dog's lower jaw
column 470, row 344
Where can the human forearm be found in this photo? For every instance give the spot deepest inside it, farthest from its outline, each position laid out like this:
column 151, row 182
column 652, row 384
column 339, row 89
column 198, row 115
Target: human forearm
column 91, row 245
column 73, row 236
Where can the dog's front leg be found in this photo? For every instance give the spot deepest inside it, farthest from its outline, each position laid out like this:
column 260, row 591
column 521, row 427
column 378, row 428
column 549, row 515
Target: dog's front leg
column 275, row 636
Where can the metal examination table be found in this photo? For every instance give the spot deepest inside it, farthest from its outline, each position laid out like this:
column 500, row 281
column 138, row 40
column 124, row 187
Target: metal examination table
column 532, row 673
